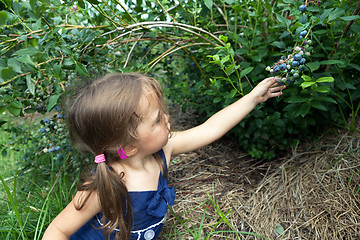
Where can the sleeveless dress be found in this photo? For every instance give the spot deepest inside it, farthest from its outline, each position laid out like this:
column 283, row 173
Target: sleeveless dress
column 149, row 213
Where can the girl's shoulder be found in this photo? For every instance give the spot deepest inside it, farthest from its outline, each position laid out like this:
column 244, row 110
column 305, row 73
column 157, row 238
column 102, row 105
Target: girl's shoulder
column 87, row 199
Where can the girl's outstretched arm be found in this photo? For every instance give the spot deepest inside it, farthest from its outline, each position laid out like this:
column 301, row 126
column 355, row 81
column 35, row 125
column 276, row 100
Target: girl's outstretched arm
column 70, row 220
column 224, row 120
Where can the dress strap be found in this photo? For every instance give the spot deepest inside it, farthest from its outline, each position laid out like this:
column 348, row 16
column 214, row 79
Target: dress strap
column 162, row 156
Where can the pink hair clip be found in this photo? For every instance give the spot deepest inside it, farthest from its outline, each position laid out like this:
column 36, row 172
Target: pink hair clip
column 121, row 152
column 100, row 158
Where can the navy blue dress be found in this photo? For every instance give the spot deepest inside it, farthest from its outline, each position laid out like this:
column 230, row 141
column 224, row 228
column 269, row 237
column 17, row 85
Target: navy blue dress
column 149, row 213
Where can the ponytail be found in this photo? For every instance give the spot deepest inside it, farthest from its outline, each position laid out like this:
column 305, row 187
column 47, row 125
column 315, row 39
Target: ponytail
column 114, row 200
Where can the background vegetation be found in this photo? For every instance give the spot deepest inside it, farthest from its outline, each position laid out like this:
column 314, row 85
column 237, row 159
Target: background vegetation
column 206, row 53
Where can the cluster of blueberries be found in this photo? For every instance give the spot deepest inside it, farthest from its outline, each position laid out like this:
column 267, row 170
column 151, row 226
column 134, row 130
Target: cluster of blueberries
column 50, row 125
column 47, row 121
column 291, row 66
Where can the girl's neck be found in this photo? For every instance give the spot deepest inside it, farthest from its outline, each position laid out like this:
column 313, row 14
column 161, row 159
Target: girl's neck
column 135, row 162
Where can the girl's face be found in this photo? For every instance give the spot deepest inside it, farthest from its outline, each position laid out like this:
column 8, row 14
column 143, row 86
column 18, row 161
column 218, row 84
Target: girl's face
column 153, row 131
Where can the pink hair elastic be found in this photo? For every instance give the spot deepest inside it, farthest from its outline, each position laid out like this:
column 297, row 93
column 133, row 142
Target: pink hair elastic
column 100, row 158
column 121, row 152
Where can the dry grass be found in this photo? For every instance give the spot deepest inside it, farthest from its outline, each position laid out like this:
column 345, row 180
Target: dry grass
column 311, row 194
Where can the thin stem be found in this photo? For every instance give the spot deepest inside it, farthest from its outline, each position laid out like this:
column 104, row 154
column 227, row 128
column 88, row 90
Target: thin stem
column 155, row 61
column 126, row 11
column 165, row 11
column 115, row 13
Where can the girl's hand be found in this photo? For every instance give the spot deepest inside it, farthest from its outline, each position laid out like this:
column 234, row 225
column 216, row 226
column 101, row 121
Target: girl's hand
column 267, row 88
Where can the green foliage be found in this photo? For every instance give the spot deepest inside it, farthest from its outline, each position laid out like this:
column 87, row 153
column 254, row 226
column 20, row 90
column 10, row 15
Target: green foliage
column 207, row 54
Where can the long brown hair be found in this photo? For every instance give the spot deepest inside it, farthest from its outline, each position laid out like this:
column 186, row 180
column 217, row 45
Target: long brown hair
column 101, row 116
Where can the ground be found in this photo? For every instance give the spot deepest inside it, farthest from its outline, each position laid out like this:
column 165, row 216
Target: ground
column 311, row 193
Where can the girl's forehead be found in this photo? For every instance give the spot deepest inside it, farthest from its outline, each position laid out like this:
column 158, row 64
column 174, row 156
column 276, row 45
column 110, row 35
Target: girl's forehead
column 149, row 102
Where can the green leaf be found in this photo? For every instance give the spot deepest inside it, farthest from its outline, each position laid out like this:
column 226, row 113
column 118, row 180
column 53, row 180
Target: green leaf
column 357, row 67
column 7, row 73
column 246, row 71
column 304, row 109
column 68, row 62
column 325, row 79
column 283, row 20
column 223, row 38
column 278, row 44
column 313, row 66
column 307, row 84
column 15, row 65
column 217, row 99
column 318, row 105
column 351, row 18
column 52, row 102
column 330, row 62
column 16, row 104
column 325, row 14
column 322, row 89
column 230, row 69
column 3, row 17
column 284, row 34
column 338, row 12
column 57, row 70
column 279, row 229
column 4, row 153
column 14, row 111
column 296, row 99
column 30, row 84
column 26, row 59
column 208, row 3
column 80, row 68
column 225, row 59
column 326, row 99
column 306, row 78
column 27, row 51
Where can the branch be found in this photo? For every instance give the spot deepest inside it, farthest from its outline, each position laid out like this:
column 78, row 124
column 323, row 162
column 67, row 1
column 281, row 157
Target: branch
column 163, row 23
column 348, row 25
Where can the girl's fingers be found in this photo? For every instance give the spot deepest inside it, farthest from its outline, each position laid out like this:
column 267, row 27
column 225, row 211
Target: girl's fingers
column 276, row 89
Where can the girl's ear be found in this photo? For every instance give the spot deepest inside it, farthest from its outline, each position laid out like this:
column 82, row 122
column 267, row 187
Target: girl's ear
column 130, row 151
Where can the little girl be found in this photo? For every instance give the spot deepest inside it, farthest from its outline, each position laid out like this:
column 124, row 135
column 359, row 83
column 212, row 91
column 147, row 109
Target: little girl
column 123, row 121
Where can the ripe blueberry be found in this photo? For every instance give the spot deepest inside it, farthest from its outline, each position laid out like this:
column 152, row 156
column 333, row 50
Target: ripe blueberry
column 303, row 33
column 282, row 66
column 295, row 64
column 302, row 61
column 297, row 57
column 302, row 8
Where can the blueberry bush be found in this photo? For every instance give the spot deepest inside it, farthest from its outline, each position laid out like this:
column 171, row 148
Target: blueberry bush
column 206, row 53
